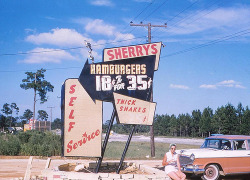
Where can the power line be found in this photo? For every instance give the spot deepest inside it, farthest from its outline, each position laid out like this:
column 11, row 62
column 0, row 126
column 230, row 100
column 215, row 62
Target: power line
column 137, row 17
column 73, row 48
column 231, row 36
column 65, row 49
column 37, row 52
column 234, row 35
column 191, row 15
column 205, row 14
column 161, row 5
column 148, row 15
column 149, row 25
column 143, row 10
column 180, row 13
column 183, row 11
column 50, row 69
column 81, row 47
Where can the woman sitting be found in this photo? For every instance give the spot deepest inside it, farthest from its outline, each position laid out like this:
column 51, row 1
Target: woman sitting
column 172, row 164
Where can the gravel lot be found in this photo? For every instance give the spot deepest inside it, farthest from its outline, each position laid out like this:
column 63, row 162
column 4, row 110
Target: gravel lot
column 141, row 138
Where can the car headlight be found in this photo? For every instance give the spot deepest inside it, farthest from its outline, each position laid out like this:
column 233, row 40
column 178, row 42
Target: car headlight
column 192, row 157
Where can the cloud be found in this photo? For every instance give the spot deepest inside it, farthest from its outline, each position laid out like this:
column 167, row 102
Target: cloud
column 226, row 83
column 208, row 86
column 59, row 37
column 229, row 83
column 46, row 55
column 81, row 20
column 101, row 3
column 62, row 38
column 175, row 86
column 97, row 26
column 127, row 38
column 211, row 20
column 28, row 30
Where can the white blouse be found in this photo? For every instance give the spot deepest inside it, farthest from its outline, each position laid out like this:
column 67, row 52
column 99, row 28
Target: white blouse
column 173, row 165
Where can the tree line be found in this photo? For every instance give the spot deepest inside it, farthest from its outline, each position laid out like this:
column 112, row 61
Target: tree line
column 9, row 117
column 224, row 120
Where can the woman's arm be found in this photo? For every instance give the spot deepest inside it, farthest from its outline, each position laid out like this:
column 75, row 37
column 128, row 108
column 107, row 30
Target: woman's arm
column 164, row 161
column 178, row 163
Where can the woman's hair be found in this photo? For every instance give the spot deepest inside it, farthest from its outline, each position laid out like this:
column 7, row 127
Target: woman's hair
column 172, row 145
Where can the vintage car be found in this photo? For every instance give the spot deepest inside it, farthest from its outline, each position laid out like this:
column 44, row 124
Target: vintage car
column 219, row 155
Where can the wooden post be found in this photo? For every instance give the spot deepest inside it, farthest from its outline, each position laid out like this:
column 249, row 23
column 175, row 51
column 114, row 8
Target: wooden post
column 28, row 169
column 48, row 163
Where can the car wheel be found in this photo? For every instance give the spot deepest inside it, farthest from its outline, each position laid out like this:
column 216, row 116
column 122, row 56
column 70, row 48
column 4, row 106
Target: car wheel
column 211, row 172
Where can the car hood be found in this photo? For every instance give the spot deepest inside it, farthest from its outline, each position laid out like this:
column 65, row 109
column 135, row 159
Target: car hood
column 203, row 152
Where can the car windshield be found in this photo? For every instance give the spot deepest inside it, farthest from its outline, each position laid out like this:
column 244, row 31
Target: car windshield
column 216, row 144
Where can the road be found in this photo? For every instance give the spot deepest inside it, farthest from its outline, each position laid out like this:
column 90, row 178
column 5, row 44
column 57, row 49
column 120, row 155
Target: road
column 142, row 138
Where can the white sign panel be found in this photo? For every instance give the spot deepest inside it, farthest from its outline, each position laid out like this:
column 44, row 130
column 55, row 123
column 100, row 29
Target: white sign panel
column 127, row 52
column 82, row 121
column 134, row 111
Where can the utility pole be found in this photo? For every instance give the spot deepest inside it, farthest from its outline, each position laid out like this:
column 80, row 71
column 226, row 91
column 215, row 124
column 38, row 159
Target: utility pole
column 149, row 25
column 51, row 113
column 34, row 108
column 50, row 117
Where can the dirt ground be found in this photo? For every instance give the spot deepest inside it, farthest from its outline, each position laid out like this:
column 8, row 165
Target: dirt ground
column 13, row 167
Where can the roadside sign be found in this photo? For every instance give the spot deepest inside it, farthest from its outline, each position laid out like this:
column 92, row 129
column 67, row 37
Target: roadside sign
column 82, row 121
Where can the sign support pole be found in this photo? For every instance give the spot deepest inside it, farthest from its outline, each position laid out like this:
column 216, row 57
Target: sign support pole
column 126, row 148
column 106, row 139
column 152, row 141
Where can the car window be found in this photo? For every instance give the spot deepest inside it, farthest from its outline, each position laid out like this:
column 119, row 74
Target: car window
column 225, row 144
column 211, row 143
column 248, row 144
column 239, row 145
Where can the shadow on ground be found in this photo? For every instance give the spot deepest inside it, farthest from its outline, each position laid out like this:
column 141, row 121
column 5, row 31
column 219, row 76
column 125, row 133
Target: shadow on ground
column 231, row 177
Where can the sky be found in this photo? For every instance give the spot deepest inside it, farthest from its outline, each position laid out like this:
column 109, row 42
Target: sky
column 205, row 61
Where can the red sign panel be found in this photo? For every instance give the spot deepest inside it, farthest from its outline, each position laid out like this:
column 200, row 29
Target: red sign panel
column 134, row 51
column 134, row 111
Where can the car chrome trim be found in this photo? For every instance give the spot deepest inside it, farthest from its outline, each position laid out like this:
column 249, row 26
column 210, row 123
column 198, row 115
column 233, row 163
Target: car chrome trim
column 238, row 173
column 193, row 170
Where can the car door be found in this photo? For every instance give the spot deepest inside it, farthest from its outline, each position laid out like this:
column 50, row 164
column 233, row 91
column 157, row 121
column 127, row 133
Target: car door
column 238, row 157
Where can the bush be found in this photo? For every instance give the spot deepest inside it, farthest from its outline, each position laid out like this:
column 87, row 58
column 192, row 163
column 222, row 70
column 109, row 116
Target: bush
column 25, row 136
column 10, row 145
column 42, row 144
column 31, row 143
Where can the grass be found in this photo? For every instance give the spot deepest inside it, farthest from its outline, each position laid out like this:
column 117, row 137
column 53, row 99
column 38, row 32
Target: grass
column 139, row 150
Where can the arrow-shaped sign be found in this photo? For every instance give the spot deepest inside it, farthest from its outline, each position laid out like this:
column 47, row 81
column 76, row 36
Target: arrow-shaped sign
column 131, row 77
